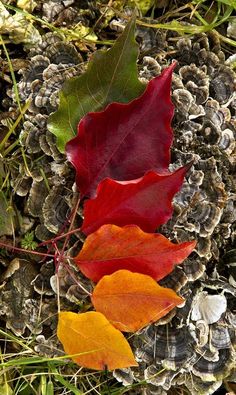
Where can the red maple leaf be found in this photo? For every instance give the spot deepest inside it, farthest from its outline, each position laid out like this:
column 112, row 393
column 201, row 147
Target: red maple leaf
column 145, row 202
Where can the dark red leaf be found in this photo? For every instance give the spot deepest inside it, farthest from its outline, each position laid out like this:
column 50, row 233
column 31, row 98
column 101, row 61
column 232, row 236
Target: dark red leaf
column 125, row 141
column 145, row 202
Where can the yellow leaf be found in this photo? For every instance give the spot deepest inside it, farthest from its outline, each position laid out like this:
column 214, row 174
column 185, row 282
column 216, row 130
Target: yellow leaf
column 92, row 342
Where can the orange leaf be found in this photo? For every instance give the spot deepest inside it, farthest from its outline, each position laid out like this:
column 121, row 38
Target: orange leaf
column 96, row 342
column 130, row 301
column 112, row 248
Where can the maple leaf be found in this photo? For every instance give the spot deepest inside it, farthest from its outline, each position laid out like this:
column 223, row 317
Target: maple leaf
column 145, row 202
column 96, row 342
column 131, row 301
column 112, row 248
column 111, row 76
column 125, row 141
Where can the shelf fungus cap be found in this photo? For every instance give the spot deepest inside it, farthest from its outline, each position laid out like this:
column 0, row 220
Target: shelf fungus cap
column 208, row 307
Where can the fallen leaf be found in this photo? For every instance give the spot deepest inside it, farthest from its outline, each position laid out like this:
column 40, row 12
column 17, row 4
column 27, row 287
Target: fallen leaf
column 96, row 342
column 131, row 301
column 145, row 202
column 125, row 141
column 112, row 248
column 18, row 28
column 144, row 5
column 6, row 216
column 111, row 76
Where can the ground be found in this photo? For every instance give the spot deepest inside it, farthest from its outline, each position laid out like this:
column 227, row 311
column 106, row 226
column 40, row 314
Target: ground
column 42, row 45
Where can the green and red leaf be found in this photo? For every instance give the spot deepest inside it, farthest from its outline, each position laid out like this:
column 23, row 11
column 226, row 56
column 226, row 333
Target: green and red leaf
column 111, row 76
column 125, row 141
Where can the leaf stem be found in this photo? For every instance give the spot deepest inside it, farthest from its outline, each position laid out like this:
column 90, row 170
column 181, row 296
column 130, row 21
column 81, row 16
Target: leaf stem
column 75, row 279
column 73, row 215
column 71, row 232
column 10, row 247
